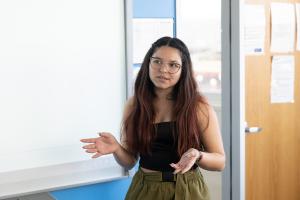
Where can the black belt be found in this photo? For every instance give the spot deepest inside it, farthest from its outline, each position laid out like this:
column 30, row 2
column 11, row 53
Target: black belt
column 168, row 177
column 159, row 176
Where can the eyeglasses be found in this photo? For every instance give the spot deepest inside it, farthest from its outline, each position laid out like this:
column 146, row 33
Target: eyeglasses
column 157, row 63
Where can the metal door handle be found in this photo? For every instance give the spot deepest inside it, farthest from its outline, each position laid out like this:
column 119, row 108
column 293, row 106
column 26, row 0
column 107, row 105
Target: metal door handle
column 253, row 129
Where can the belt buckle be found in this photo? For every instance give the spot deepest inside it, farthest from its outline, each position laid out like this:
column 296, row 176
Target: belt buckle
column 168, row 177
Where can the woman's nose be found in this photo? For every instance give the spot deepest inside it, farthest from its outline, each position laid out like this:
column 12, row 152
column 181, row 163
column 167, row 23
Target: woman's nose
column 163, row 67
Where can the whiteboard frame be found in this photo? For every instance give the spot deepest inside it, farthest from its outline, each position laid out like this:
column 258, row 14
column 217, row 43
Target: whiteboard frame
column 62, row 176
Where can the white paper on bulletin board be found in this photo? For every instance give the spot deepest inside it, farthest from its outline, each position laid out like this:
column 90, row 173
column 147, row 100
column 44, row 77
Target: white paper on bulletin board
column 146, row 31
column 298, row 25
column 283, row 76
column 254, row 26
column 283, row 27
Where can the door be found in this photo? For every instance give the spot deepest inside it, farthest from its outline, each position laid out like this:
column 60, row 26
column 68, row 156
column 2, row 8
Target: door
column 272, row 155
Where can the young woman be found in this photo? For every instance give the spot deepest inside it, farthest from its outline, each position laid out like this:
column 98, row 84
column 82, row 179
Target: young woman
column 169, row 126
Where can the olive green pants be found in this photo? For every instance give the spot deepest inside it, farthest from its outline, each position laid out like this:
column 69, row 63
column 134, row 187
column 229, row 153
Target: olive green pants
column 149, row 186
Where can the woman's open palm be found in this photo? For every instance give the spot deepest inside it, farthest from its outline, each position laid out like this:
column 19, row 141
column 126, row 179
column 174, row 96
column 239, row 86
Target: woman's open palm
column 106, row 143
column 186, row 161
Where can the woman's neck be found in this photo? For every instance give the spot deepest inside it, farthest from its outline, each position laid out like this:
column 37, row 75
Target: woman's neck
column 163, row 105
column 163, row 94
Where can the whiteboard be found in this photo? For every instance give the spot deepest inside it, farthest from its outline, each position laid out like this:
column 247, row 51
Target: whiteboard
column 62, row 78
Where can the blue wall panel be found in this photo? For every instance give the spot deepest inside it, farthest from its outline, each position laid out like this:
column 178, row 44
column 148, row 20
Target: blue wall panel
column 153, row 8
column 114, row 190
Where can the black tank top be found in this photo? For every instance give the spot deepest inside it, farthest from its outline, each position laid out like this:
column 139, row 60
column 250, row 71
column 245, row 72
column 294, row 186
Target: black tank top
column 163, row 148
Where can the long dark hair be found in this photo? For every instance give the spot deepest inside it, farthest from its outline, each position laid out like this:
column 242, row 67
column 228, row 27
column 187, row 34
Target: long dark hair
column 138, row 126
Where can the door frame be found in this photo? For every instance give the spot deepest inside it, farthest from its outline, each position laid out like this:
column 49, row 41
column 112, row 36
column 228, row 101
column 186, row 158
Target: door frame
column 233, row 100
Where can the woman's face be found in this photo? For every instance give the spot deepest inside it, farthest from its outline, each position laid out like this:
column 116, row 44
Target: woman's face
column 165, row 67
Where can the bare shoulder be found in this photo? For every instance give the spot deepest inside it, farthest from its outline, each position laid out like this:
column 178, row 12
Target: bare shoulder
column 208, row 118
column 128, row 107
column 205, row 110
column 129, row 103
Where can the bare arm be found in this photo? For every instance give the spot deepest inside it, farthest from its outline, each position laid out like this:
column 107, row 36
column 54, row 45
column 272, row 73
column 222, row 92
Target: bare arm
column 122, row 155
column 124, row 158
column 214, row 156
